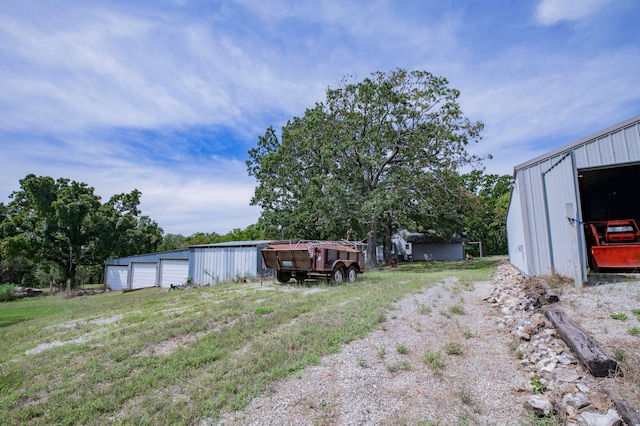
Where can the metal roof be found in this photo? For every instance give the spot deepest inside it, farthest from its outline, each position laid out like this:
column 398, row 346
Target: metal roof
column 573, row 145
column 252, row 243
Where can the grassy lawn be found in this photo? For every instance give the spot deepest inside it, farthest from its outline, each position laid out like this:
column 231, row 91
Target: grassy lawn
column 160, row 357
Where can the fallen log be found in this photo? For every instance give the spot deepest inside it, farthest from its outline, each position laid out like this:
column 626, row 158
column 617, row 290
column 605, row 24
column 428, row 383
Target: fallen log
column 629, row 414
column 590, row 354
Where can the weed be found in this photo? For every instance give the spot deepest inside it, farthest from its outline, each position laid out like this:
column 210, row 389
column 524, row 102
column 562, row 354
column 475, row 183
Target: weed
column 362, row 363
column 463, row 420
column 516, row 348
column 634, row 331
column 424, row 309
column 264, row 310
column 546, row 420
column 433, row 360
column 400, row 366
column 622, row 317
column 537, row 385
column 444, row 313
column 620, row 355
column 402, row 349
column 636, row 312
column 467, row 333
column 452, row 348
column 382, row 352
column 457, row 310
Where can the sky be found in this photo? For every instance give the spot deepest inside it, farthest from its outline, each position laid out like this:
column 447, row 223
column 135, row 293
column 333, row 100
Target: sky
column 168, row 96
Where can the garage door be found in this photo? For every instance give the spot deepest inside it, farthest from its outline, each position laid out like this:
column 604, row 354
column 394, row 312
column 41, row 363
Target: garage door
column 173, row 271
column 143, row 275
column 116, row 277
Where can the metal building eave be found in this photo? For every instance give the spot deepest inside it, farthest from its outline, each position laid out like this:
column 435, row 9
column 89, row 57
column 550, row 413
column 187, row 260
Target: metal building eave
column 573, row 145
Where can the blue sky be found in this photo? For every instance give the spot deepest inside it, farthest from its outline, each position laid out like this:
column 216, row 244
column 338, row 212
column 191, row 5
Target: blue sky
column 167, row 96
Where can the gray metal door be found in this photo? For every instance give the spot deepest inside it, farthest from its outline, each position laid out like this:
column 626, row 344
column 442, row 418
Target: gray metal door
column 564, row 219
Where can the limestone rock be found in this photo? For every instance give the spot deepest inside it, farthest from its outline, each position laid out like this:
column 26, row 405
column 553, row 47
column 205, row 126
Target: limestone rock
column 539, row 404
column 597, row 419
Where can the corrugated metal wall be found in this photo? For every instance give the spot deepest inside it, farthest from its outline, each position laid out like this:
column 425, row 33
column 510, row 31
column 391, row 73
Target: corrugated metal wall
column 212, row 265
column 617, row 147
column 540, row 233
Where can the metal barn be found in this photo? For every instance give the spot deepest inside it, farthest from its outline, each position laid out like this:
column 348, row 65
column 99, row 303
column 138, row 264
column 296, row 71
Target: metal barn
column 591, row 179
column 206, row 264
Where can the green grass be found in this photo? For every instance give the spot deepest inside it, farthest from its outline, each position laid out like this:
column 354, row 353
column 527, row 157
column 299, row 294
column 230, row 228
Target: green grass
column 621, row 317
column 159, row 357
column 452, row 348
column 434, row 360
column 634, row 331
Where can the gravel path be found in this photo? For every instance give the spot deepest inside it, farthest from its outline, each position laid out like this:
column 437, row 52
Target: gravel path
column 384, row 380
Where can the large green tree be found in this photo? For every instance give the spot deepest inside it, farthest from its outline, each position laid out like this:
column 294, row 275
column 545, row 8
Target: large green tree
column 61, row 225
column 376, row 154
column 486, row 219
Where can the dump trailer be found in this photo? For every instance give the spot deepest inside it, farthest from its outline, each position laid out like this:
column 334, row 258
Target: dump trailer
column 338, row 261
column 613, row 244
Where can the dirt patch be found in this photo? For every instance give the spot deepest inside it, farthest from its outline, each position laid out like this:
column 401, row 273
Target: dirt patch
column 168, row 346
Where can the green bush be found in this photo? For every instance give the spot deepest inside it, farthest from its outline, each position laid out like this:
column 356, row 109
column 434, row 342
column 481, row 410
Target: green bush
column 7, row 292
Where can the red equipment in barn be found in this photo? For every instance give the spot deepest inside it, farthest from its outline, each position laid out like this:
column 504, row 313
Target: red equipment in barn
column 305, row 260
column 613, row 244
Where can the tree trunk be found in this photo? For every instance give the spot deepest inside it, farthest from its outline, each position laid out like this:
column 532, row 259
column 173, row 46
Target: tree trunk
column 372, row 258
column 387, row 241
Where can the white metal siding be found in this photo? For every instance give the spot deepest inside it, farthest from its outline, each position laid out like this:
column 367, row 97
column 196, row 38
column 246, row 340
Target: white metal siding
column 173, row 271
column 561, row 197
column 516, row 231
column 116, row 276
column 221, row 264
column 143, row 275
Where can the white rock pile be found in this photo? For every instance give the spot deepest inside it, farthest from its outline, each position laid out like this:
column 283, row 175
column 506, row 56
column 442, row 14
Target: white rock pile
column 559, row 385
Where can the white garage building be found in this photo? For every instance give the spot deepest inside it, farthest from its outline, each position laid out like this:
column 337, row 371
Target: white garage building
column 594, row 178
column 206, row 264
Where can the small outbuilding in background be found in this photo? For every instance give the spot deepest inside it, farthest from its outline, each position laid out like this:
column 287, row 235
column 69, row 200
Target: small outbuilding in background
column 592, row 179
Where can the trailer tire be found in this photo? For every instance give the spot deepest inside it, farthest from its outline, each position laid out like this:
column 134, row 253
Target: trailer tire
column 283, row 277
column 352, row 274
column 337, row 276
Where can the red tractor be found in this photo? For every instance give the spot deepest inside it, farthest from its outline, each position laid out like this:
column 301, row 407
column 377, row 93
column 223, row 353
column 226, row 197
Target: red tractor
column 613, row 244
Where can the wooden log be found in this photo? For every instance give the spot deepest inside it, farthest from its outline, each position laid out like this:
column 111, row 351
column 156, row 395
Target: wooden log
column 629, row 414
column 590, row 354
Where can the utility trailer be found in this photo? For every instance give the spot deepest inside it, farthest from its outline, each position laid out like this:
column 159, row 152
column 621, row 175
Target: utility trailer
column 613, row 244
column 308, row 260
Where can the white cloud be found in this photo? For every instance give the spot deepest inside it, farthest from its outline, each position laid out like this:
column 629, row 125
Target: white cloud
column 550, row 12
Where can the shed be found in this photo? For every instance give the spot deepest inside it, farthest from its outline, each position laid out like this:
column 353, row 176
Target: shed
column 554, row 194
column 205, row 264
column 416, row 246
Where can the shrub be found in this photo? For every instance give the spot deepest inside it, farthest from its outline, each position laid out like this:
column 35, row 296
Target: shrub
column 452, row 348
column 433, row 360
column 7, row 292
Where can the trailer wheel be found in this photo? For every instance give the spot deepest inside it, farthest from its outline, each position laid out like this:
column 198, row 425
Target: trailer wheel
column 337, row 276
column 352, row 274
column 283, row 277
